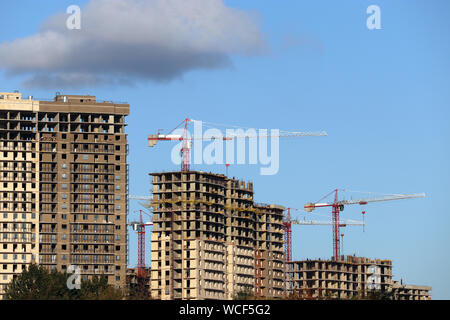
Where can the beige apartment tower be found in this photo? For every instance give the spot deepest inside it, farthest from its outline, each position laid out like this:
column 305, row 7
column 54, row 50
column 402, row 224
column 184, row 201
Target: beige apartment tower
column 211, row 241
column 63, row 186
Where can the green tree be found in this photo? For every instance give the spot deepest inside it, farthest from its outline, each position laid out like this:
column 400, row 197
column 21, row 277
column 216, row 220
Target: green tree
column 98, row 288
column 244, row 294
column 140, row 290
column 374, row 294
column 37, row 283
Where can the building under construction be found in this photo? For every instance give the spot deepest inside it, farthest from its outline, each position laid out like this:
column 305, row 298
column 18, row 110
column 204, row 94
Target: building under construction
column 211, row 240
column 410, row 292
column 347, row 277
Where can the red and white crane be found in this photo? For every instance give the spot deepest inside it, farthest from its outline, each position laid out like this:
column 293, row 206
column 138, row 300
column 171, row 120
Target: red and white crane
column 288, row 222
column 186, row 139
column 139, row 227
column 338, row 206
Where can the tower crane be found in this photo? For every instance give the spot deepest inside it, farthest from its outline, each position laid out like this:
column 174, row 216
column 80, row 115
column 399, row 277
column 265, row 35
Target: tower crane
column 338, row 206
column 288, row 222
column 187, row 141
column 139, row 227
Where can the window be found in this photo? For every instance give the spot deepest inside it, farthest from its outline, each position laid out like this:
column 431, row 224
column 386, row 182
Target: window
column 64, row 186
column 64, row 176
column 64, row 195
column 117, row 177
column 64, row 206
column 117, row 187
column 117, row 207
column 117, row 197
column 85, row 157
column 64, row 166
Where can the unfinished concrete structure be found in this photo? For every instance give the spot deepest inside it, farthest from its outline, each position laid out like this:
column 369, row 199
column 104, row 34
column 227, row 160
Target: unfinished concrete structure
column 410, row 292
column 340, row 279
column 211, row 241
column 349, row 276
column 64, row 185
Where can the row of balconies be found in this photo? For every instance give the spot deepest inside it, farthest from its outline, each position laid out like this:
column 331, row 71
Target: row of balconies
column 99, row 239
column 90, row 259
column 17, row 238
column 27, row 168
column 22, row 229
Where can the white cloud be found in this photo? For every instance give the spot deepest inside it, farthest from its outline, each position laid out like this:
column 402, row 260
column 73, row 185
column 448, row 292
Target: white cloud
column 122, row 41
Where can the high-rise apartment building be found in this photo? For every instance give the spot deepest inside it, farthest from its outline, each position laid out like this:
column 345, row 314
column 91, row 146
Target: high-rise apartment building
column 211, row 241
column 63, row 185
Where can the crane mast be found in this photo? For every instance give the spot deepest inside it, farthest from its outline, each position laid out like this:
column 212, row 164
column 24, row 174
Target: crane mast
column 139, row 227
column 338, row 206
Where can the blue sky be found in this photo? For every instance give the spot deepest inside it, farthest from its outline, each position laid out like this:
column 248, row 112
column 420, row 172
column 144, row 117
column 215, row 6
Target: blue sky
column 382, row 96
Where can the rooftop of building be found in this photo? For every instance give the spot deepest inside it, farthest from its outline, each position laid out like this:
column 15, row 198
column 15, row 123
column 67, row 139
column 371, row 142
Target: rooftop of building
column 348, row 260
column 73, row 103
column 242, row 184
column 396, row 284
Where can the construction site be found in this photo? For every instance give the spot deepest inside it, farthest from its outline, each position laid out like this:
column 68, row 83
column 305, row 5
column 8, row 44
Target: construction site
column 211, row 240
column 65, row 201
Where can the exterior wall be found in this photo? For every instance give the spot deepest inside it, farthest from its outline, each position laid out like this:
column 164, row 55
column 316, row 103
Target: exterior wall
column 411, row 292
column 205, row 237
column 341, row 279
column 269, row 250
column 73, row 177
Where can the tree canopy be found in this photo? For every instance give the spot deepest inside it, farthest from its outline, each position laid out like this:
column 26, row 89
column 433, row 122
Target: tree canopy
column 38, row 283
